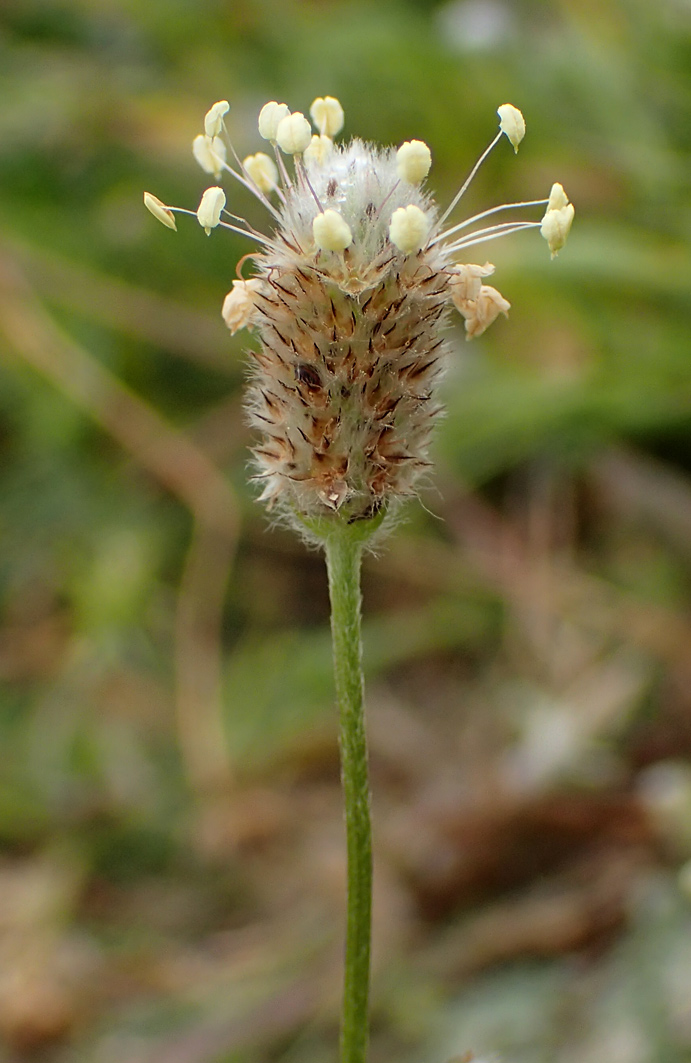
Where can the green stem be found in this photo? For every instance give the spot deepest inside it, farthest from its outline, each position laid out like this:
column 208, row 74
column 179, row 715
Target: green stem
column 343, row 555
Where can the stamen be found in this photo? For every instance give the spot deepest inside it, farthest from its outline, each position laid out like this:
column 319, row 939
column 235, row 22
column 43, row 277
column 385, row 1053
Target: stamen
column 493, row 233
column 486, row 214
column 285, row 176
column 386, row 198
column 251, row 187
column 261, row 171
column 247, row 181
column 243, row 232
column 236, row 217
column 302, row 176
column 226, row 225
column 250, row 230
column 464, row 186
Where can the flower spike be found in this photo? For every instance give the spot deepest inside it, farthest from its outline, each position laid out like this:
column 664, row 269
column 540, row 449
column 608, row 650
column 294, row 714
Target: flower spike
column 351, row 293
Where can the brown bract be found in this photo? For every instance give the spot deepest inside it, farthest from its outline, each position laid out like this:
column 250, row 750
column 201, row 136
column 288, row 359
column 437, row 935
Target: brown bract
column 342, row 387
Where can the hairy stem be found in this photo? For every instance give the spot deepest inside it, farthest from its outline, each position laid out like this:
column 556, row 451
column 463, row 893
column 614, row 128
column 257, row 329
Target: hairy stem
column 343, row 555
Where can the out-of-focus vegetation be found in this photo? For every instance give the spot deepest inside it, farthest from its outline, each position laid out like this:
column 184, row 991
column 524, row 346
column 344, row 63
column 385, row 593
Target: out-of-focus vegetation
column 171, row 858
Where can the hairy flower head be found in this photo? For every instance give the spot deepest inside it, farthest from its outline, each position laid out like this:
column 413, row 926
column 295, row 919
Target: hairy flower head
column 349, row 301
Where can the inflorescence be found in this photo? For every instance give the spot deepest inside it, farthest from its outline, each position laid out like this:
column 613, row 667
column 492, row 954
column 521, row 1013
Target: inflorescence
column 349, row 299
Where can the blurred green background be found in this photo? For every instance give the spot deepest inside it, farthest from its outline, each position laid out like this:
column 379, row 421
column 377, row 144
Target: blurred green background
column 171, row 857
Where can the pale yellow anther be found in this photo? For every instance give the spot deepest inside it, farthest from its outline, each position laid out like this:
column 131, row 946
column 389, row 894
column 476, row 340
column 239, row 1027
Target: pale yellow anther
column 318, row 150
column 465, row 282
column 331, row 231
column 512, row 123
column 408, row 229
column 555, row 227
column 213, row 119
column 209, row 210
column 160, row 210
column 557, row 198
column 413, row 161
column 294, row 133
column 270, row 115
column 262, row 170
column 239, row 305
column 327, row 115
column 481, row 312
column 210, row 153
